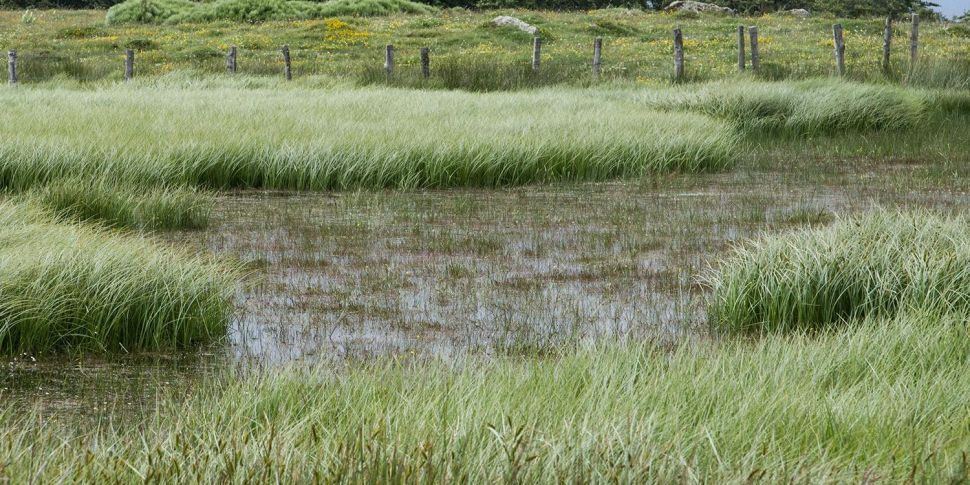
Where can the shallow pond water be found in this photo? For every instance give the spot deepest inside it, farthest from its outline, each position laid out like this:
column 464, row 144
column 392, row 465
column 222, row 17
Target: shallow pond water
column 517, row 271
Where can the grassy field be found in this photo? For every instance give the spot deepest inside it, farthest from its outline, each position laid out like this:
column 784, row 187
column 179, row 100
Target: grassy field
column 736, row 279
column 467, row 52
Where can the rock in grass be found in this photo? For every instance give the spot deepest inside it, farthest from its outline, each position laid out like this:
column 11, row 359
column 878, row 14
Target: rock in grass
column 875, row 265
column 797, row 12
column 507, row 21
column 697, row 7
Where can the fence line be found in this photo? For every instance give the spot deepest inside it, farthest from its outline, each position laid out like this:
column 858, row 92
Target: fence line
column 680, row 61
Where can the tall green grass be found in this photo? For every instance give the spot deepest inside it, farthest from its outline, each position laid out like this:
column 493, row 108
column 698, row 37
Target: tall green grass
column 878, row 265
column 885, row 399
column 311, row 139
column 78, row 287
column 134, row 207
column 812, row 107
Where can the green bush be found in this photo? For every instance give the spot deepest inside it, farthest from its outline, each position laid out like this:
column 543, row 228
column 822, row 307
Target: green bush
column 177, row 11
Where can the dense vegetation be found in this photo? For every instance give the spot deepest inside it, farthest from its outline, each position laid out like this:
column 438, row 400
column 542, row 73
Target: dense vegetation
column 297, row 139
column 880, row 265
column 67, row 286
column 291, row 9
column 178, row 11
column 881, row 399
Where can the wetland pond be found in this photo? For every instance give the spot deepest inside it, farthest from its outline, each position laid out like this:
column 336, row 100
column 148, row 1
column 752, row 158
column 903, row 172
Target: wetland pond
column 441, row 274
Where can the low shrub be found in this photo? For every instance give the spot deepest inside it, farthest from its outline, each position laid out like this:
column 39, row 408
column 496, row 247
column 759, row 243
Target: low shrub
column 178, row 11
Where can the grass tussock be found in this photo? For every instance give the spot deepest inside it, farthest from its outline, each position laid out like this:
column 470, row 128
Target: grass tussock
column 132, row 207
column 70, row 286
column 814, row 107
column 885, row 399
column 303, row 139
column 182, row 11
column 875, row 265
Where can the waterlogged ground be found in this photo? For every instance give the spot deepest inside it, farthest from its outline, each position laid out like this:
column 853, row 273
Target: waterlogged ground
column 351, row 276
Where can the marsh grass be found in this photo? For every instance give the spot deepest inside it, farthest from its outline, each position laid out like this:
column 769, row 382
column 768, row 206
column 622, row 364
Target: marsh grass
column 805, row 108
column 70, row 286
column 319, row 140
column 879, row 264
column 132, row 207
column 882, row 399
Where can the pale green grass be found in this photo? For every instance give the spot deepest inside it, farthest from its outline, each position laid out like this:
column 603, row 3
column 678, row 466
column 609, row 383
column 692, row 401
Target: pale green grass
column 77, row 287
column 303, row 139
column 884, row 399
column 805, row 108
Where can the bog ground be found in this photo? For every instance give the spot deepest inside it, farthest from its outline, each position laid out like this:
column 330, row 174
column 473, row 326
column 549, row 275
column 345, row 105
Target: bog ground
column 534, row 278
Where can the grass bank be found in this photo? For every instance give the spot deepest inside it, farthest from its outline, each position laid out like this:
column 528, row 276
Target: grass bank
column 884, row 399
column 316, row 140
column 69, row 286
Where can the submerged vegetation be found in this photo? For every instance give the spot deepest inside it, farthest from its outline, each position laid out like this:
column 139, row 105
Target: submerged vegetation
column 67, row 286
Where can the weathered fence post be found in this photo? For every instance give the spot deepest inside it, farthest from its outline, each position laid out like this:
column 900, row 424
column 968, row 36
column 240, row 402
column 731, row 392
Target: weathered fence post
column 755, row 52
column 12, row 67
column 597, row 57
column 425, row 62
column 389, row 61
column 741, row 41
column 678, row 55
column 914, row 43
column 887, row 40
column 129, row 64
column 231, row 60
column 839, row 49
column 287, row 72
column 536, row 52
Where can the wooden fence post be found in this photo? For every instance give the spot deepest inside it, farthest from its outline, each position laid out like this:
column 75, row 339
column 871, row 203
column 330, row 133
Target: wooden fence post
column 914, row 43
column 678, row 55
column 887, row 40
column 839, row 49
column 12, row 67
column 231, row 60
column 389, row 61
column 536, row 52
column 597, row 57
column 129, row 64
column 287, row 71
column 755, row 52
column 425, row 62
column 741, row 41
